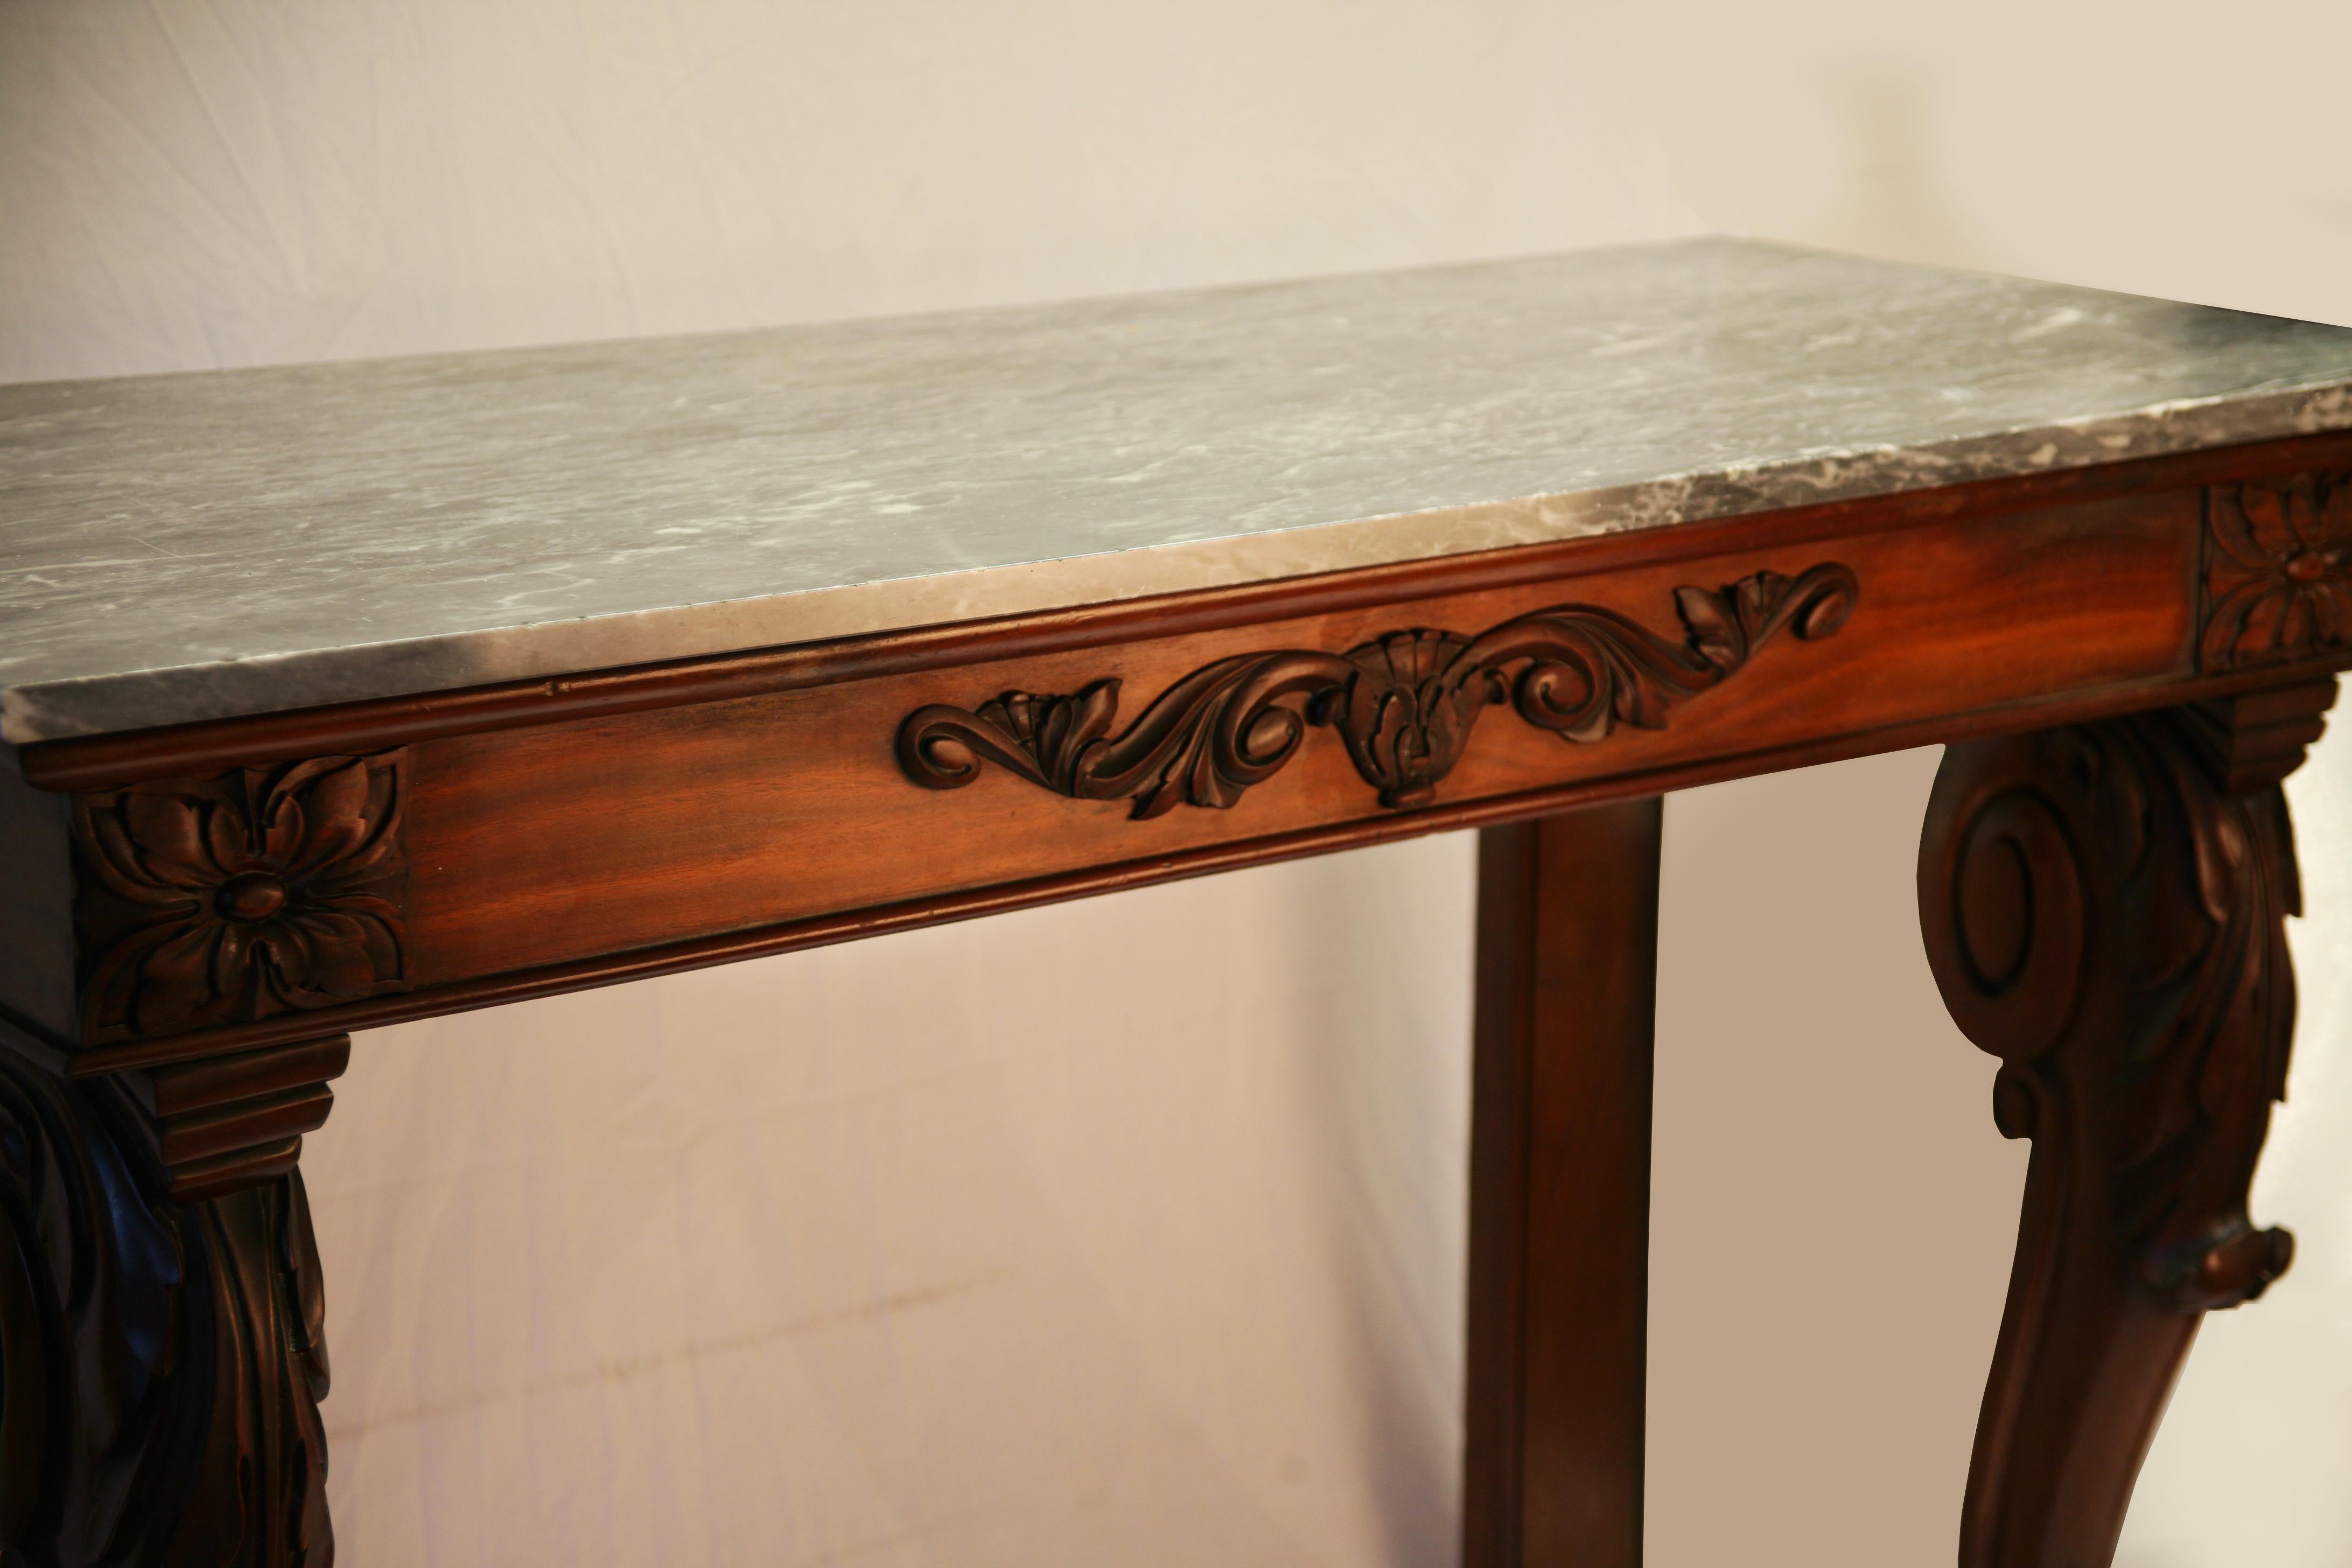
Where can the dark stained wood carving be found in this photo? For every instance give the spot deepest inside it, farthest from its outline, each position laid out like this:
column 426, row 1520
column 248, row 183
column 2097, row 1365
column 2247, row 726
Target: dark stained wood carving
column 2278, row 570
column 161, row 1364
column 229, row 899
column 2104, row 908
column 227, row 1122
column 1404, row 704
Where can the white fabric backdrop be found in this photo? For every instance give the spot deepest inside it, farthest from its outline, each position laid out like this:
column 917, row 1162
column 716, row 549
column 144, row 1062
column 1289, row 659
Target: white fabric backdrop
column 1117, row 1233
column 1130, row 1231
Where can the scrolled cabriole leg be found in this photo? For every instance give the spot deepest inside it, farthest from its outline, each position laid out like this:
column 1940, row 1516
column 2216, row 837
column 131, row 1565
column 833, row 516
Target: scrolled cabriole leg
column 2104, row 908
column 162, row 1314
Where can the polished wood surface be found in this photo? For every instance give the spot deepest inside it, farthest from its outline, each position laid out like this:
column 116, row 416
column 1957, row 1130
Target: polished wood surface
column 198, row 915
column 1406, row 703
column 163, row 1352
column 2105, row 910
column 554, row 853
column 1559, row 1189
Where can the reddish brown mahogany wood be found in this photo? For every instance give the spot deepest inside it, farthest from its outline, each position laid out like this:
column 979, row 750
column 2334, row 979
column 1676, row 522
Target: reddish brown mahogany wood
column 2278, row 570
column 260, row 891
column 562, row 854
column 568, row 855
column 850, row 925
column 1405, row 702
column 1559, row 1190
column 227, row 1122
column 2104, row 908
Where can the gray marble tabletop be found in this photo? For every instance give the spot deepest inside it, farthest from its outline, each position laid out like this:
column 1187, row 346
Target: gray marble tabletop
column 196, row 546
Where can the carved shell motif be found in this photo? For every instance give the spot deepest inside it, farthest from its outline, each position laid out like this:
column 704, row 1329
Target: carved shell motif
column 262, row 891
column 1405, row 703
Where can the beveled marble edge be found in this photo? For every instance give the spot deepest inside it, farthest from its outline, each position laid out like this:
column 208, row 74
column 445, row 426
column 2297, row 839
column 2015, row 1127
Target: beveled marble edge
column 283, row 682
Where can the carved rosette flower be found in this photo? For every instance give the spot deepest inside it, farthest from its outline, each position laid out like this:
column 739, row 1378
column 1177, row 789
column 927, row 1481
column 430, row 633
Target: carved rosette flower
column 226, row 900
column 1405, row 703
column 2278, row 570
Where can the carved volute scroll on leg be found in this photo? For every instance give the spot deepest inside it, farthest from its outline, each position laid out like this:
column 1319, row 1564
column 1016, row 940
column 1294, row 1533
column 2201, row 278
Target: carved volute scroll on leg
column 2104, row 908
column 162, row 1356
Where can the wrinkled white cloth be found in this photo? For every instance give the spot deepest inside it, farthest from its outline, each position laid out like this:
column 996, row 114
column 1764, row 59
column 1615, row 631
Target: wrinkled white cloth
column 1122, row 1231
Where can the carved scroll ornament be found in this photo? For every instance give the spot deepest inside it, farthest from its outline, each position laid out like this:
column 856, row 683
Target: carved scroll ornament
column 2278, row 570
column 163, row 1364
column 2104, row 908
column 262, row 891
column 1404, row 704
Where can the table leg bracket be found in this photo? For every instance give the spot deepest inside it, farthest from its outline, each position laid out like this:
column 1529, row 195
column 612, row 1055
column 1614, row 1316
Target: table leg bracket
column 2103, row 907
column 163, row 1347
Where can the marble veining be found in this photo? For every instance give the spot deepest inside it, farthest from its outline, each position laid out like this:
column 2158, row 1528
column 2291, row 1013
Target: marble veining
column 198, row 546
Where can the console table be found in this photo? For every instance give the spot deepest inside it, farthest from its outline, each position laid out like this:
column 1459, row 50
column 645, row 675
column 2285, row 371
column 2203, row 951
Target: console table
column 336, row 695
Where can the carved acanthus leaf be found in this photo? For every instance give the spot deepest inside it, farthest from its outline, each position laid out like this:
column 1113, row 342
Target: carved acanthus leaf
column 1405, row 703
column 163, row 1365
column 2158, row 1057
column 2104, row 908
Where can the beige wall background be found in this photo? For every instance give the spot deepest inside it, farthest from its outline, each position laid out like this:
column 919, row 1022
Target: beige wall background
column 1130, row 1231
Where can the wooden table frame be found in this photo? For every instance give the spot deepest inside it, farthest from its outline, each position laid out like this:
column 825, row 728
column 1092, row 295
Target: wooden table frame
column 2125, row 659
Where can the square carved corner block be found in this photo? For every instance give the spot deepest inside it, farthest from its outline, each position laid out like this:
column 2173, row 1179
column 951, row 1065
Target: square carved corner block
column 379, row 690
